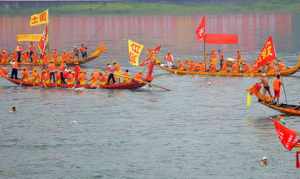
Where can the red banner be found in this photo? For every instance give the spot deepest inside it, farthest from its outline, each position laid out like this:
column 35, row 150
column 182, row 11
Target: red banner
column 267, row 53
column 200, row 31
column 221, row 38
column 287, row 137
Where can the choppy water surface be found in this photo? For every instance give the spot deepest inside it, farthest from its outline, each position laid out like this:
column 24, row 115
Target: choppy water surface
column 200, row 129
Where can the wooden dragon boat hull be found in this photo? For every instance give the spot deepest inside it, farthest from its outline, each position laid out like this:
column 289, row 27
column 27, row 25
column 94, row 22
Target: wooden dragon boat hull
column 288, row 71
column 132, row 85
column 292, row 110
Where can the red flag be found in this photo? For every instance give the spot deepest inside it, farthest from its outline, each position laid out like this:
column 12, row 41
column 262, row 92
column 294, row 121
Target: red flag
column 221, row 38
column 43, row 41
column 157, row 49
column 267, row 53
column 287, row 137
column 200, row 31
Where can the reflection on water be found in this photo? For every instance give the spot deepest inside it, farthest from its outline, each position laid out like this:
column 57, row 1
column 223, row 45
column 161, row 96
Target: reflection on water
column 175, row 33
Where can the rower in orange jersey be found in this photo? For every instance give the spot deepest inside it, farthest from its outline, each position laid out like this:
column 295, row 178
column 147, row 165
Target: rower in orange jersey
column 4, row 57
column 213, row 61
column 276, row 87
column 118, row 71
column 238, row 58
column 77, row 71
column 61, row 70
column 35, row 77
column 45, row 59
column 94, row 79
column 55, row 56
column 70, row 79
column 191, row 66
column 45, row 78
column 102, row 79
column 126, row 76
column 35, row 59
column 31, row 51
column 138, row 76
column 246, row 68
column 202, row 67
column 224, row 67
column 64, row 57
column 281, row 65
column 25, row 75
column 271, row 68
column 25, row 57
column 235, row 67
column 180, row 65
column 82, row 78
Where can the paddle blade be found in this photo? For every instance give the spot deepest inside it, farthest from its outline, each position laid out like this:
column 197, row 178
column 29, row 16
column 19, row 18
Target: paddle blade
column 249, row 100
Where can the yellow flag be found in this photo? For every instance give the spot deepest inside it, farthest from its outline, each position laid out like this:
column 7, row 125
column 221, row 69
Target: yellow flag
column 249, row 100
column 39, row 19
column 134, row 52
column 29, row 37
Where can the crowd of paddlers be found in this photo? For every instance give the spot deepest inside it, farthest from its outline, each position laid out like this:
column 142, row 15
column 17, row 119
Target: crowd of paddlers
column 30, row 55
column 64, row 75
column 217, row 63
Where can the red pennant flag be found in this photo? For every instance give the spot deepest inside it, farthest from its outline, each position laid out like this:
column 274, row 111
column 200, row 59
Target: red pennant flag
column 200, row 31
column 157, row 49
column 287, row 137
column 267, row 53
column 221, row 38
column 43, row 41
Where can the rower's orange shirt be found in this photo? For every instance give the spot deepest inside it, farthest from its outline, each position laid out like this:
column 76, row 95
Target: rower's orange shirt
column 4, row 58
column 281, row 66
column 45, row 60
column 202, row 67
column 246, row 68
column 276, row 84
column 138, row 76
column 45, row 76
column 25, row 75
column 35, row 76
column 51, row 67
column 224, row 67
column 25, row 57
column 235, row 68
column 213, row 68
column 181, row 66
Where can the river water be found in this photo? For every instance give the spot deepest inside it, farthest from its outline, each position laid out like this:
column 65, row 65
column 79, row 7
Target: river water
column 200, row 129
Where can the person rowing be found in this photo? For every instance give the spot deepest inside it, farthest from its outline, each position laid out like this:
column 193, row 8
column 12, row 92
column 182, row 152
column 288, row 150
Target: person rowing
column 31, row 51
column 15, row 67
column 169, row 58
column 265, row 83
column 276, row 87
column 110, row 71
column 4, row 57
column 19, row 50
column 83, row 51
column 52, row 71
column 126, row 76
column 25, row 75
column 35, row 77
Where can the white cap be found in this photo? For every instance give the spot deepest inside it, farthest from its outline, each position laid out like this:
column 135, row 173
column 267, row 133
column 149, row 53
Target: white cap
column 264, row 158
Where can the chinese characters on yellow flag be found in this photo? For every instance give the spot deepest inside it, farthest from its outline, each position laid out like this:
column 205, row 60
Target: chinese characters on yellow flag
column 29, row 37
column 134, row 52
column 39, row 19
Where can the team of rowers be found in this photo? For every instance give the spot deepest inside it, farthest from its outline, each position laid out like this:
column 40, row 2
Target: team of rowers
column 237, row 66
column 61, row 75
column 31, row 55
